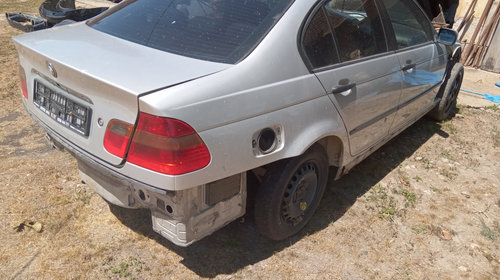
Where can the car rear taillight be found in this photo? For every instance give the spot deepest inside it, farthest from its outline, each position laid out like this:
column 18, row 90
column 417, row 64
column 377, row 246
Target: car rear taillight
column 167, row 146
column 117, row 137
column 22, row 82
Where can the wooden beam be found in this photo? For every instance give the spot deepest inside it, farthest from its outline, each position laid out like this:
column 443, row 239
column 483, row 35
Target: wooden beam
column 470, row 46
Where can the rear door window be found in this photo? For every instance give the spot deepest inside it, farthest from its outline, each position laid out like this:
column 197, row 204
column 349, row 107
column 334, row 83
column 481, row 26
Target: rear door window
column 216, row 30
column 318, row 42
column 357, row 28
column 342, row 31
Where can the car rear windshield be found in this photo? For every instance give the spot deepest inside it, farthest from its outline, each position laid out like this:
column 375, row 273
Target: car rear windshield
column 215, row 30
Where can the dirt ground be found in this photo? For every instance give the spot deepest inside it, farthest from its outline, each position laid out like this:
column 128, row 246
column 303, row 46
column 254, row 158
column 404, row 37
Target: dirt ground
column 424, row 206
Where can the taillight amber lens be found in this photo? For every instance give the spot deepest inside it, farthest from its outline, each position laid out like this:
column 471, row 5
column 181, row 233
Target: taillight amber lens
column 117, row 137
column 167, row 146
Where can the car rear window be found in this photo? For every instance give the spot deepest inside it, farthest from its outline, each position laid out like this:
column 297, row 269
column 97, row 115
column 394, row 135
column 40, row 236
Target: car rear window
column 215, row 30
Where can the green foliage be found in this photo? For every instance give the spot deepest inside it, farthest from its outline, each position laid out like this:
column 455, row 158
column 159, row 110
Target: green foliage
column 384, row 203
column 434, row 189
column 494, row 108
column 419, row 229
column 122, row 270
column 126, row 268
column 488, row 232
column 410, row 198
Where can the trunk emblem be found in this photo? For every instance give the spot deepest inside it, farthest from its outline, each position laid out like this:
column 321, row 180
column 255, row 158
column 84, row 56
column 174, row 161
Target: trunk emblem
column 52, row 70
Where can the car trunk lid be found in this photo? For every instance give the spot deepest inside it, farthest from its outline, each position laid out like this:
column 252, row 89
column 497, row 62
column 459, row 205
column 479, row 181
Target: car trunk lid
column 100, row 73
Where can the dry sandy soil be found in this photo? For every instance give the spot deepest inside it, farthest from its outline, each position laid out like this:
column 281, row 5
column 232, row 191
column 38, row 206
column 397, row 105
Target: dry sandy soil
column 425, row 206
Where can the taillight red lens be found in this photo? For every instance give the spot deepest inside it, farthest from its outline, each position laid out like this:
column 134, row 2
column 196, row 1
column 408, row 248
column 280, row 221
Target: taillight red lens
column 117, row 137
column 167, row 145
column 22, row 82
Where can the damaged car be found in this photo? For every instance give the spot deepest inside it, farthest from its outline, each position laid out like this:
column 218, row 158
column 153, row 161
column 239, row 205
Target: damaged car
column 175, row 106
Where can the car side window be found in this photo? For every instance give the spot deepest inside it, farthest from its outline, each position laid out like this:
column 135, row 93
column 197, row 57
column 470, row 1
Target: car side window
column 411, row 26
column 357, row 27
column 318, row 42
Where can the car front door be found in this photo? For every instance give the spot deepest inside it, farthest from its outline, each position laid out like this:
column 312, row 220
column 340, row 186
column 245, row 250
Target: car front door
column 345, row 44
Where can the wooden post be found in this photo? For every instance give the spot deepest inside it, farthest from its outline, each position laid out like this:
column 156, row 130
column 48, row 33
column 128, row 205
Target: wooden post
column 468, row 22
column 470, row 46
column 466, row 15
column 488, row 35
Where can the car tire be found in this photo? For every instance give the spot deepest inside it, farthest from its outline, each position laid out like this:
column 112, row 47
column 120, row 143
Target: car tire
column 290, row 193
column 446, row 107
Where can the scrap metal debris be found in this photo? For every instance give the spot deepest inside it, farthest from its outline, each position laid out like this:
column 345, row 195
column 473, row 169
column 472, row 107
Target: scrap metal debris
column 52, row 13
column 26, row 22
column 55, row 11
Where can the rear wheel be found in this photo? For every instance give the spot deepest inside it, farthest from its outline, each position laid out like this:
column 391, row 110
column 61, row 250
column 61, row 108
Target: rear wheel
column 290, row 193
column 446, row 107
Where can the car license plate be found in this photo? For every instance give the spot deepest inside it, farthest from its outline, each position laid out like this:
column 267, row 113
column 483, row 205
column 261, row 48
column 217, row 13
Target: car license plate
column 68, row 112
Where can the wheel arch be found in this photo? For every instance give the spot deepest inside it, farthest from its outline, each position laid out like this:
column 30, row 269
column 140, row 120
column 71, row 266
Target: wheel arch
column 329, row 131
column 334, row 148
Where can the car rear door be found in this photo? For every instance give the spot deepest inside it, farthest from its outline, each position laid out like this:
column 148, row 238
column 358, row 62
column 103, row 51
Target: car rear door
column 345, row 44
column 422, row 60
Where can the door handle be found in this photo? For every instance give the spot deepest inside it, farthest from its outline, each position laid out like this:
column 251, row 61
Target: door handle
column 343, row 88
column 408, row 67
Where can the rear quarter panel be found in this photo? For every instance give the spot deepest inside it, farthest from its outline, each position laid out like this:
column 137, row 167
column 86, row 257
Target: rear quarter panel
column 271, row 87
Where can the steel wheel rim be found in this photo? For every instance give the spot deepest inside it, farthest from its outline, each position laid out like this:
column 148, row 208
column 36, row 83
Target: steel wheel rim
column 299, row 194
